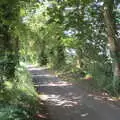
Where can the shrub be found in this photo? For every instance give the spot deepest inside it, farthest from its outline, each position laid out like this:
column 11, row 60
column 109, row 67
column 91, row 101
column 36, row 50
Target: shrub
column 102, row 75
column 18, row 98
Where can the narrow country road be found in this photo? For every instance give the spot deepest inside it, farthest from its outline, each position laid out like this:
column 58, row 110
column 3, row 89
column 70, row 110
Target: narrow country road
column 67, row 101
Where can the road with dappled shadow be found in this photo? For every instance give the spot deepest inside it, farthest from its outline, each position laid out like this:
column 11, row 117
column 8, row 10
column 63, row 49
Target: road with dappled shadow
column 67, row 101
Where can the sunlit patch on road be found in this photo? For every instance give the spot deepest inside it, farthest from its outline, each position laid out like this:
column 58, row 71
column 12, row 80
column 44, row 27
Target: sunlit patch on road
column 43, row 97
column 59, row 100
column 84, row 114
column 54, row 84
column 46, row 75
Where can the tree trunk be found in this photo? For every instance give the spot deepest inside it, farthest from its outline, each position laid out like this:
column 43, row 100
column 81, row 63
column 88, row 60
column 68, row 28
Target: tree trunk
column 43, row 60
column 60, row 58
column 80, row 57
column 9, row 53
column 114, row 42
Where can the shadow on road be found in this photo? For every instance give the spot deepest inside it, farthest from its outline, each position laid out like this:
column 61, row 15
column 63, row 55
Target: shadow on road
column 66, row 101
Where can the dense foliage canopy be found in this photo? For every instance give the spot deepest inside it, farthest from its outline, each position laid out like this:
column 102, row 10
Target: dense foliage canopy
column 63, row 34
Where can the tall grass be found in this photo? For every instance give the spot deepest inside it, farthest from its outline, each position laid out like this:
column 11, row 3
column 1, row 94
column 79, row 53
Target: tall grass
column 18, row 99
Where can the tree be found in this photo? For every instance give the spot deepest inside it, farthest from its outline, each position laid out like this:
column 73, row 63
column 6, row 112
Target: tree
column 114, row 42
column 10, row 20
column 9, row 13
